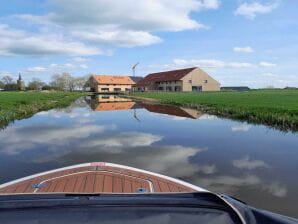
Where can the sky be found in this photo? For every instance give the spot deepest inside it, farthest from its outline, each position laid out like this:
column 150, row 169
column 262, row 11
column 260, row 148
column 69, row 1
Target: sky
column 238, row 42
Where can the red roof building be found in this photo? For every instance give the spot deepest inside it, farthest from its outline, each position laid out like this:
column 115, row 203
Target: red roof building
column 187, row 80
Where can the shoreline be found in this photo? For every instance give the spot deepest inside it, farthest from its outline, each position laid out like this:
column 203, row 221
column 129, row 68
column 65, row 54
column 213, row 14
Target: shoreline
column 21, row 105
column 275, row 119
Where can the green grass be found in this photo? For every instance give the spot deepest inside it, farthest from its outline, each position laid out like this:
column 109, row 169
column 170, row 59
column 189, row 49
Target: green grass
column 277, row 108
column 18, row 105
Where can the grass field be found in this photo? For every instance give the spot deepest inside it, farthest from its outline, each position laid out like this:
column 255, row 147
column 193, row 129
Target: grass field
column 18, row 105
column 277, row 108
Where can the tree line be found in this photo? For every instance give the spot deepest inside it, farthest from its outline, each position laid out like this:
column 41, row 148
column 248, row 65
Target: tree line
column 61, row 82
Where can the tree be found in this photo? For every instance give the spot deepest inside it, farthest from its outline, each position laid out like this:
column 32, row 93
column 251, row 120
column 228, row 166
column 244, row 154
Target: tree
column 2, row 85
column 7, row 79
column 57, row 82
column 35, row 84
column 80, row 82
column 69, row 81
column 11, row 86
column 66, row 81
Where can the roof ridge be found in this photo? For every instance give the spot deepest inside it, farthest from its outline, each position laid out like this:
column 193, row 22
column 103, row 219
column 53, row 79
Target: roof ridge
column 181, row 69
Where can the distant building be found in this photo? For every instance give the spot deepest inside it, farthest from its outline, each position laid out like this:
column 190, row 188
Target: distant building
column 186, row 80
column 235, row 88
column 109, row 84
column 21, row 83
column 136, row 79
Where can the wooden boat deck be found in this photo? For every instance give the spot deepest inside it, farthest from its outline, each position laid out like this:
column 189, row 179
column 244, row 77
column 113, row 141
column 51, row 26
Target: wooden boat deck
column 97, row 178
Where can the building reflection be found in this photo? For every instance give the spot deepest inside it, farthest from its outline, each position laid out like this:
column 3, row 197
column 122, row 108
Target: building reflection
column 115, row 102
column 109, row 103
column 171, row 110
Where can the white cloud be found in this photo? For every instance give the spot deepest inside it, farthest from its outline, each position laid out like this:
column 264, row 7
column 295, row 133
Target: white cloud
column 249, row 164
column 83, row 66
column 266, row 64
column 100, row 23
column 172, row 160
column 80, row 59
column 129, row 14
column 71, row 65
column 204, row 63
column 36, row 69
column 246, row 49
column 231, row 181
column 241, row 128
column 211, row 63
column 18, row 42
column 126, row 139
column 53, row 135
column 209, row 4
column 251, row 10
column 239, row 65
column 119, row 38
column 276, row 189
column 230, row 184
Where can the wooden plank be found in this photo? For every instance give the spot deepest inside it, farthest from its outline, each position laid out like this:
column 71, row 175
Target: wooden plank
column 99, row 182
column 117, row 185
column 173, row 188
column 108, row 184
column 70, row 185
column 80, row 183
column 89, row 186
column 127, row 186
column 52, row 186
column 163, row 186
column 98, row 179
column 61, row 182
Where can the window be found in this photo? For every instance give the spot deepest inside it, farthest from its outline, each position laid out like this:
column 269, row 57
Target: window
column 189, row 81
column 105, row 89
column 205, row 81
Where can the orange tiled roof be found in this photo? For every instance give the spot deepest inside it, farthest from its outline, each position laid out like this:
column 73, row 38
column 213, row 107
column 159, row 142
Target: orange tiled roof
column 112, row 79
column 114, row 106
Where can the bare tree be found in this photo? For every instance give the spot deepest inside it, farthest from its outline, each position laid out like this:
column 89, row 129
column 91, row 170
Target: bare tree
column 80, row 82
column 66, row 81
column 7, row 79
column 2, row 85
column 58, row 82
column 36, row 84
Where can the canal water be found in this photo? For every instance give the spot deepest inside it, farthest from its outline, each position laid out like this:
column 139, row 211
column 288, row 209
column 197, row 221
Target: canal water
column 254, row 163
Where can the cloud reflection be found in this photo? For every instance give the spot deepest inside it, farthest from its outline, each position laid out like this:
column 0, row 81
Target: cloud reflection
column 249, row 164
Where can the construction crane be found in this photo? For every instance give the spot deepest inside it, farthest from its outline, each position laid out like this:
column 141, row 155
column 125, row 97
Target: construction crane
column 134, row 69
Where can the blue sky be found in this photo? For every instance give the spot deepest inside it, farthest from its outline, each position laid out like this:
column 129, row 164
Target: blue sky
column 239, row 42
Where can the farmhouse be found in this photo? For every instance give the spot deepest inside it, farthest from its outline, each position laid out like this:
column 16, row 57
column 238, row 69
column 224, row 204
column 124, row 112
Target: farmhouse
column 109, row 83
column 186, row 80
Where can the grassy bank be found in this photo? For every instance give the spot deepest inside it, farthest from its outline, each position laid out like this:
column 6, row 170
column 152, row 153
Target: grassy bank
column 277, row 108
column 18, row 105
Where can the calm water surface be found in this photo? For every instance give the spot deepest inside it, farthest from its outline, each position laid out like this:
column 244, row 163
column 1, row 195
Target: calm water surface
column 251, row 162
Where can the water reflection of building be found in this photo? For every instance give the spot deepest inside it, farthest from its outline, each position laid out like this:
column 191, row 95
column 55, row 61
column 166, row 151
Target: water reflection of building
column 171, row 110
column 109, row 103
column 115, row 102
